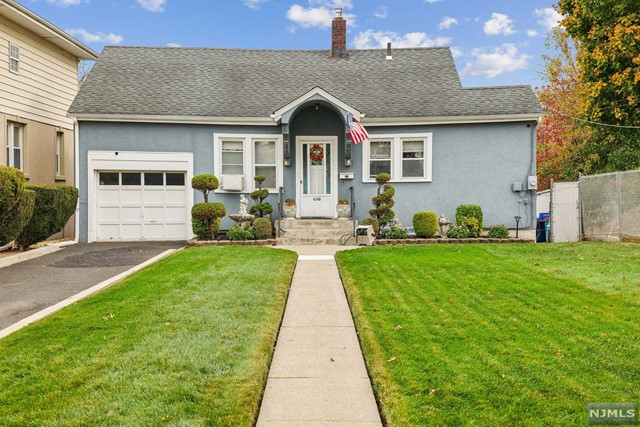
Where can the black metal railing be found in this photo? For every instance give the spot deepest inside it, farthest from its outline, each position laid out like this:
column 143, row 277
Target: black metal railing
column 280, row 203
column 353, row 209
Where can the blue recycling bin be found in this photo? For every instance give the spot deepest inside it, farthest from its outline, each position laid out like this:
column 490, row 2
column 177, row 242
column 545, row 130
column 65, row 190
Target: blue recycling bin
column 542, row 231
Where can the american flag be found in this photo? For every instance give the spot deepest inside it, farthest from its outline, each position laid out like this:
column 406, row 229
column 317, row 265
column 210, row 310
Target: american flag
column 357, row 132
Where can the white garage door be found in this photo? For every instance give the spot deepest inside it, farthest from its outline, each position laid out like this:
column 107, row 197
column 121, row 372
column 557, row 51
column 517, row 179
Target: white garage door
column 141, row 205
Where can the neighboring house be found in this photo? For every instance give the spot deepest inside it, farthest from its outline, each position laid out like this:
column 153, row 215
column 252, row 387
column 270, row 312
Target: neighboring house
column 38, row 82
column 151, row 118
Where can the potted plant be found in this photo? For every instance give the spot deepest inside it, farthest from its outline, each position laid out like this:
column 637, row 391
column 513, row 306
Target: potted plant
column 290, row 208
column 343, row 208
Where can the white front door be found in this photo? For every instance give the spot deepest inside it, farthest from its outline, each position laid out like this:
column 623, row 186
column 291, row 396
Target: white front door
column 317, row 176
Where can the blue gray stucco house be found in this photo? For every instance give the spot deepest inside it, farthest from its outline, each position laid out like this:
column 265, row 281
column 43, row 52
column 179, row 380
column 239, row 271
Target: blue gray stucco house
column 149, row 119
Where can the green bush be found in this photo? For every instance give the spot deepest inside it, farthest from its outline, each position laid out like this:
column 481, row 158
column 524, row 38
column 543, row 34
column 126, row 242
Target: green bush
column 458, row 232
column 343, row 201
column 425, row 224
column 499, row 231
column 383, row 201
column 12, row 185
column 395, row 232
column 54, row 205
column 473, row 211
column 261, row 209
column 472, row 225
column 205, row 219
column 374, row 223
column 264, row 229
column 14, row 221
column 205, row 182
column 237, row 233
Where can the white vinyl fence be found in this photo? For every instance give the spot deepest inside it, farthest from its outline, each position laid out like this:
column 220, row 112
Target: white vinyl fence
column 564, row 215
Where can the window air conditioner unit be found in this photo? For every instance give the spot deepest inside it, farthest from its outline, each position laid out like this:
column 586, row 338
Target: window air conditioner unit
column 233, row 182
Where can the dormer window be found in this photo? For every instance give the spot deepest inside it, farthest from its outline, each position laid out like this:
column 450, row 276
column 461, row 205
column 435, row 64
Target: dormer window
column 14, row 58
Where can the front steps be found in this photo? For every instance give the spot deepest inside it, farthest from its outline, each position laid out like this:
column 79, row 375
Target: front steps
column 314, row 231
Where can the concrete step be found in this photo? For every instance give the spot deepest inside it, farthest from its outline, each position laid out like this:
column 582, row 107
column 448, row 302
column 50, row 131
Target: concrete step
column 308, row 241
column 340, row 224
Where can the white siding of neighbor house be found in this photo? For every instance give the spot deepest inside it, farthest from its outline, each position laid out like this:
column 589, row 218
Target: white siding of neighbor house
column 47, row 82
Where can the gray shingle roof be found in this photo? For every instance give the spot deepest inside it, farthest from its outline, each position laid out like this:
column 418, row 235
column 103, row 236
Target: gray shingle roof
column 421, row 82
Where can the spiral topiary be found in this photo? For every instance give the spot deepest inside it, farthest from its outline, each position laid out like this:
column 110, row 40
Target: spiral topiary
column 383, row 201
column 261, row 209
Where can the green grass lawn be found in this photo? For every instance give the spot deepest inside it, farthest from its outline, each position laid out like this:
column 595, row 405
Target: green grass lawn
column 498, row 335
column 187, row 341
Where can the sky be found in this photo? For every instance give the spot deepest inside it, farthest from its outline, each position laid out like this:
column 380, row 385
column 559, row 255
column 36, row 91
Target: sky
column 494, row 42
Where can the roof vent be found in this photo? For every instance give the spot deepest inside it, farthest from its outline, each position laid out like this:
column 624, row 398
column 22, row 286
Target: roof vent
column 389, row 51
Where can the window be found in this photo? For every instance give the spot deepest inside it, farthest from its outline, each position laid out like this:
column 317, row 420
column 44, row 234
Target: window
column 153, row 178
column 175, row 179
column 109, row 178
column 131, row 178
column 232, row 157
column 14, row 58
column 405, row 157
column 59, row 153
column 15, row 135
column 265, row 162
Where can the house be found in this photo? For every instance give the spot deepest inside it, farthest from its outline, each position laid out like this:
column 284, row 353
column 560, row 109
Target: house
column 151, row 118
column 38, row 82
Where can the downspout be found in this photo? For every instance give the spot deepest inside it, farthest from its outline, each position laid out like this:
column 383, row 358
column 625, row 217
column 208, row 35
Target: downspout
column 76, row 183
column 532, row 171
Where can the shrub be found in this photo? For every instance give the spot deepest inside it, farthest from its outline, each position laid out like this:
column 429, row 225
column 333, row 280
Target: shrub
column 12, row 185
column 425, row 224
column 472, row 225
column 264, row 229
column 465, row 211
column 53, row 207
column 374, row 223
column 14, row 221
column 395, row 232
column 498, row 232
column 237, row 233
column 383, row 201
column 261, row 209
column 458, row 232
column 205, row 182
column 205, row 219
column 343, row 201
column 290, row 202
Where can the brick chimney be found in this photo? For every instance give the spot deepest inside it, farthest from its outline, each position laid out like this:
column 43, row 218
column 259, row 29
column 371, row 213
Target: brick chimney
column 339, row 36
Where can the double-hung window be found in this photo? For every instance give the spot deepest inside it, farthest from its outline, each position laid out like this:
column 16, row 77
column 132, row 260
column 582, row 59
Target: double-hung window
column 14, row 58
column 232, row 157
column 406, row 157
column 264, row 162
column 14, row 148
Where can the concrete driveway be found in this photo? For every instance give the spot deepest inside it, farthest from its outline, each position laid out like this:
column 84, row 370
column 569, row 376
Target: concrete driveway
column 31, row 286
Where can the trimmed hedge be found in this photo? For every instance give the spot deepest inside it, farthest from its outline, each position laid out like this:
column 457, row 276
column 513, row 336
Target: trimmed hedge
column 12, row 184
column 470, row 211
column 14, row 221
column 54, row 205
column 425, row 224
column 264, row 229
column 205, row 219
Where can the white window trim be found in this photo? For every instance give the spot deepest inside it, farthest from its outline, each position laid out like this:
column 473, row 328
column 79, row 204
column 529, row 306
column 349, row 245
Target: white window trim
column 11, row 128
column 14, row 58
column 248, row 159
column 59, row 154
column 396, row 156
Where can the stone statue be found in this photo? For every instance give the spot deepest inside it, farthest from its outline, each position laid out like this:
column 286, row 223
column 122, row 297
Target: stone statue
column 444, row 225
column 243, row 205
column 242, row 218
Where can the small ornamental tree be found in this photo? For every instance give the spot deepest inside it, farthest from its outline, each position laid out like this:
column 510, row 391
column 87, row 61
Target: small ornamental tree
column 383, row 201
column 205, row 183
column 261, row 208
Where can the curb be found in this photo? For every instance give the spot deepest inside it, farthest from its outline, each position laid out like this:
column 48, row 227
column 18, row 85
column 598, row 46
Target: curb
column 82, row 295
column 26, row 256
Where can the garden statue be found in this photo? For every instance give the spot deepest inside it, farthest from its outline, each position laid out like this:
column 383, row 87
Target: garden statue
column 243, row 205
column 242, row 218
column 444, row 225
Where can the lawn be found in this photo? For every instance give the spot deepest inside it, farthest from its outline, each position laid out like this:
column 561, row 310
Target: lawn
column 187, row 341
column 497, row 334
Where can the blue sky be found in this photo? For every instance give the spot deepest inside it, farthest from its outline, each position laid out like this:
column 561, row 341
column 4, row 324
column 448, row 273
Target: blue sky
column 495, row 42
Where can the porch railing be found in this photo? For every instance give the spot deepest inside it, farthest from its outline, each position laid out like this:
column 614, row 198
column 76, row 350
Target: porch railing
column 353, row 209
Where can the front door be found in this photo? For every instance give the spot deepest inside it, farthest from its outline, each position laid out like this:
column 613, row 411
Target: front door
column 317, row 180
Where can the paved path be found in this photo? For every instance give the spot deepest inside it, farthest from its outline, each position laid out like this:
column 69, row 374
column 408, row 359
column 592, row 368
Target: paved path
column 318, row 376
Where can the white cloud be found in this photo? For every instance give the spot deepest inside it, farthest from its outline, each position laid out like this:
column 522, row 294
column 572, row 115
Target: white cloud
column 447, row 22
column 456, row 52
column 381, row 12
column 498, row 24
column 378, row 39
column 253, row 4
column 152, row 5
column 502, row 59
column 549, row 17
column 532, row 33
column 320, row 16
column 97, row 37
column 174, row 45
column 432, row 1
column 65, row 3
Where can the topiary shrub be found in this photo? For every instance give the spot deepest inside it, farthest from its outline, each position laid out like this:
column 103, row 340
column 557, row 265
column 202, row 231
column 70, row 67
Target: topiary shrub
column 425, row 224
column 383, row 201
column 374, row 223
column 472, row 225
column 458, row 232
column 205, row 219
column 205, row 182
column 499, row 231
column 14, row 221
column 53, row 207
column 473, row 211
column 261, row 208
column 264, row 229
column 237, row 233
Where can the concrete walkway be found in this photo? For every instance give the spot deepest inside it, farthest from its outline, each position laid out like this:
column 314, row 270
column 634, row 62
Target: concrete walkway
column 318, row 376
